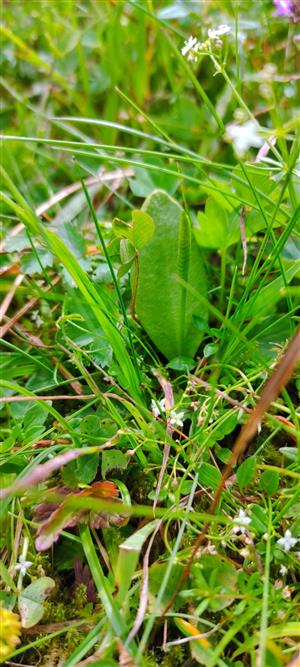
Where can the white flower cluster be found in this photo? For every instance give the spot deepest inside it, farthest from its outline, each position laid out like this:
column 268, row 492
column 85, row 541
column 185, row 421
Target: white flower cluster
column 192, row 47
column 176, row 418
column 287, row 542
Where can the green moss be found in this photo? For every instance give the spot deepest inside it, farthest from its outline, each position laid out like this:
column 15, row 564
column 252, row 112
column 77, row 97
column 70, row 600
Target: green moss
column 174, row 658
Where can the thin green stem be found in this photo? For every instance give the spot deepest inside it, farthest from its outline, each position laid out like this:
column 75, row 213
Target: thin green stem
column 237, row 54
column 265, row 602
column 223, row 277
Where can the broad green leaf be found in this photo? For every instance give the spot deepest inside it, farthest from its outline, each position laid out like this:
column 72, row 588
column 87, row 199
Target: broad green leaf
column 156, row 574
column 126, row 250
column 86, row 468
column 210, row 349
column 143, row 229
column 216, row 578
column 165, row 308
column 259, row 519
column 209, row 476
column 7, row 600
column 218, row 227
column 31, row 600
column 111, row 460
column 30, row 264
column 90, row 425
column 181, row 364
column 269, row 482
column 246, row 472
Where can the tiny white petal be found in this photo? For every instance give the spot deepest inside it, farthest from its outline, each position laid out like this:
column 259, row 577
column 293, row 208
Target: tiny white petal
column 23, row 565
column 162, row 405
column 287, row 541
column 35, row 316
column 154, row 409
column 212, row 33
column 216, row 33
column 283, row 570
column 241, row 521
column 223, row 29
column 190, row 45
column 157, row 409
column 176, row 418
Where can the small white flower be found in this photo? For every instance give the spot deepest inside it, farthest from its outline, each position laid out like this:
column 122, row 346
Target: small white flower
column 241, row 521
column 36, row 318
column 287, row 541
column 283, row 570
column 176, row 418
column 216, row 33
column 158, row 408
column 244, row 136
column 23, row 565
column 190, row 48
